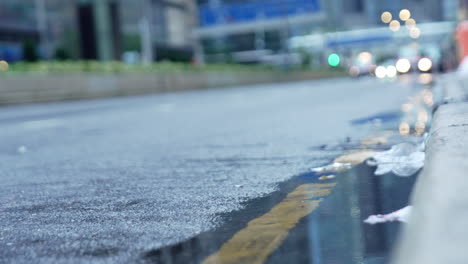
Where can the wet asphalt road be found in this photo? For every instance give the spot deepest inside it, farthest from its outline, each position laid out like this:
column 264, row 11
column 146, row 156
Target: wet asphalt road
column 104, row 181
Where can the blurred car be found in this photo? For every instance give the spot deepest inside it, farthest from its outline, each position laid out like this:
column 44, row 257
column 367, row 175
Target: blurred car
column 386, row 69
column 363, row 65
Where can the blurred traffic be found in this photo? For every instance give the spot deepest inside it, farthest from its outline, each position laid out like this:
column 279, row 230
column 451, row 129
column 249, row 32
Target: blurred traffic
column 358, row 37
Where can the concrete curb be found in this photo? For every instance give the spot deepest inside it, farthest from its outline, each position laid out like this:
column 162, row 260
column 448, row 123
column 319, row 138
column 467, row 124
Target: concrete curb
column 437, row 232
column 35, row 88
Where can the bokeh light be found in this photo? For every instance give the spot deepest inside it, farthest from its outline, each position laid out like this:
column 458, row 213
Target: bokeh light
column 419, row 128
column 386, row 17
column 425, row 78
column 405, row 14
column 410, row 23
column 354, row 71
column 334, row 60
column 4, row 65
column 415, row 32
column 391, row 71
column 365, row 57
column 380, row 72
column 394, row 25
column 425, row 64
column 404, row 128
column 403, row 65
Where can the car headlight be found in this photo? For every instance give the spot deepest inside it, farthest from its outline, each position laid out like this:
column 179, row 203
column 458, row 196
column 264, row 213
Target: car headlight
column 403, row 65
column 425, row 64
column 381, row 72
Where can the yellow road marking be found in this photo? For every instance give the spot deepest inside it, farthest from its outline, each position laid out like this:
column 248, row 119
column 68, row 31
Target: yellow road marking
column 326, row 177
column 355, row 158
column 263, row 235
column 375, row 141
column 378, row 138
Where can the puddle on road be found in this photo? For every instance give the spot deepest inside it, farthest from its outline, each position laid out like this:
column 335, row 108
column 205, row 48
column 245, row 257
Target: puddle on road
column 336, row 233
column 333, row 233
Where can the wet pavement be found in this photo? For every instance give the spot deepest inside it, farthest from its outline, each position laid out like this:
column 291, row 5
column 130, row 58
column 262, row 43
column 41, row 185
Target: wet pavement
column 174, row 178
column 334, row 233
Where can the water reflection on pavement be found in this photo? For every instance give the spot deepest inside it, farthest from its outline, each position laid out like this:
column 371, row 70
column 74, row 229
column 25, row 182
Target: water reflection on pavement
column 328, row 227
column 333, row 233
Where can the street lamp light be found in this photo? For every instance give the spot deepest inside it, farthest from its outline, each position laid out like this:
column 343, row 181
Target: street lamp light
column 394, row 25
column 386, row 17
column 410, row 23
column 405, row 14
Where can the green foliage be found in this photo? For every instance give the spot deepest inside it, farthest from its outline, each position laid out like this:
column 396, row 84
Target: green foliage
column 117, row 67
column 120, row 67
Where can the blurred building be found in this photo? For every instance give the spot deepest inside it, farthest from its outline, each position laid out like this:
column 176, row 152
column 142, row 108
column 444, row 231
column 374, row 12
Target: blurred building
column 157, row 29
column 97, row 29
column 170, row 24
column 253, row 31
column 363, row 13
column 16, row 27
column 245, row 31
column 248, row 31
